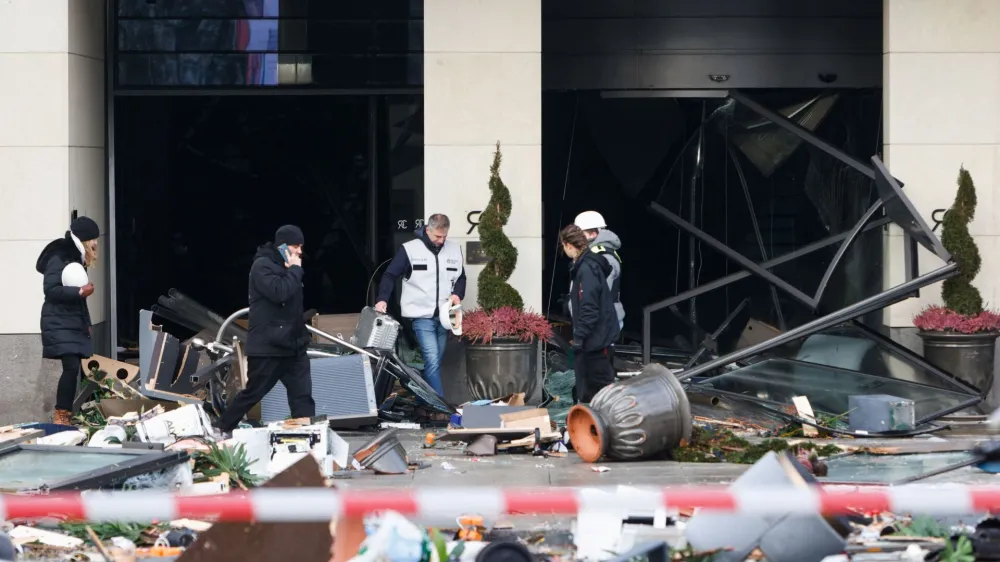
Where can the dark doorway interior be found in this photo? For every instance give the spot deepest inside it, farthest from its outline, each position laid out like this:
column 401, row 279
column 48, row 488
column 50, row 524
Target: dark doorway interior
column 201, row 181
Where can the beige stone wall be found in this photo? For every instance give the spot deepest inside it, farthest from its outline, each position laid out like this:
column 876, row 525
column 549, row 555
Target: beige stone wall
column 51, row 143
column 942, row 110
column 483, row 84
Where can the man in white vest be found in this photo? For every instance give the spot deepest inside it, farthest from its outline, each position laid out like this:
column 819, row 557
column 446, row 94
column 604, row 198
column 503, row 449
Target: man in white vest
column 433, row 276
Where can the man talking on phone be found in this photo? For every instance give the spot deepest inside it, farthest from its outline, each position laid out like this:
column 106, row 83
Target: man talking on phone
column 277, row 339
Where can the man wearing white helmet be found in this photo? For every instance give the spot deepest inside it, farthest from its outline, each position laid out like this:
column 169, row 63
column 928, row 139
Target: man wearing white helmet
column 605, row 242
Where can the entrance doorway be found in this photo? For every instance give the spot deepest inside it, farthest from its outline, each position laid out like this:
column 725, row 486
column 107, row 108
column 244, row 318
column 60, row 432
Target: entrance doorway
column 200, row 181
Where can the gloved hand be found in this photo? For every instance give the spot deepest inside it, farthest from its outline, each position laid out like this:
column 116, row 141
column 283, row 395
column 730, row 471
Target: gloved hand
column 87, row 290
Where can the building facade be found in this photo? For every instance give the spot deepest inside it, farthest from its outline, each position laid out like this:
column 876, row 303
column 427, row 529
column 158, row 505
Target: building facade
column 482, row 83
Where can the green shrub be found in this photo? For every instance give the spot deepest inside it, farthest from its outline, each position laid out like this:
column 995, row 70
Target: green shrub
column 494, row 291
column 958, row 292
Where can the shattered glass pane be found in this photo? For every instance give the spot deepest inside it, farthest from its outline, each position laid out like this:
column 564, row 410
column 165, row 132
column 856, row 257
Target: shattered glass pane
column 888, row 469
column 777, row 381
column 849, row 347
column 30, row 469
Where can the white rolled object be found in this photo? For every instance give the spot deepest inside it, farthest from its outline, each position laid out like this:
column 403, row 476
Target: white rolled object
column 451, row 317
column 74, row 275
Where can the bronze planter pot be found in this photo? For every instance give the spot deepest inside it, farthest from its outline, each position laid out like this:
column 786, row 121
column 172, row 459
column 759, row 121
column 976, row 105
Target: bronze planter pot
column 501, row 368
column 639, row 418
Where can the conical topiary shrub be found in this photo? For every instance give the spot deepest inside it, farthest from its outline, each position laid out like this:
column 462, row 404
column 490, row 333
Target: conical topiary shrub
column 494, row 291
column 958, row 292
column 960, row 337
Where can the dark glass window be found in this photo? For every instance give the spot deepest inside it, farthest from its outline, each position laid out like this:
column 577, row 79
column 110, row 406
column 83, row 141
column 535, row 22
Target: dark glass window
column 219, row 43
column 355, row 9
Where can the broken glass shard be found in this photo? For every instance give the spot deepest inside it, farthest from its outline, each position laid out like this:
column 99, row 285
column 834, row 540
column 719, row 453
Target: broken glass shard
column 775, row 382
column 888, row 469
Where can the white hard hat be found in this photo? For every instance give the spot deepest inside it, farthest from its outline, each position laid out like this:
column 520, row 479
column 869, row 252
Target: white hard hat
column 589, row 220
column 74, row 275
column 451, row 317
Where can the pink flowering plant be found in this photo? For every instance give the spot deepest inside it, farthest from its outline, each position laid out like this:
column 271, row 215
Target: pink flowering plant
column 505, row 322
column 941, row 319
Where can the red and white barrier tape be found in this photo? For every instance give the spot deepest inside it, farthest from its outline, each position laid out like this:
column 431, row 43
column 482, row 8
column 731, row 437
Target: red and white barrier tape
column 321, row 504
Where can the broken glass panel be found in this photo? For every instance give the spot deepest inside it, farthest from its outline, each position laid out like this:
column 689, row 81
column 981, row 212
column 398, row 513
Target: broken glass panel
column 63, row 468
column 888, row 469
column 775, row 382
column 32, row 469
column 851, row 347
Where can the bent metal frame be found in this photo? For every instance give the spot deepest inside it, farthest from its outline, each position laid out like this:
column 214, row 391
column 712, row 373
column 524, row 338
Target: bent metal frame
column 892, row 207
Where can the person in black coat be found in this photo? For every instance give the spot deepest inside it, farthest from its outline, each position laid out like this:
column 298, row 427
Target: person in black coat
column 595, row 321
column 277, row 337
column 65, row 320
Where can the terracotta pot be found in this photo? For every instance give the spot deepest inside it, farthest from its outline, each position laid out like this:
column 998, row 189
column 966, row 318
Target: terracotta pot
column 639, row 418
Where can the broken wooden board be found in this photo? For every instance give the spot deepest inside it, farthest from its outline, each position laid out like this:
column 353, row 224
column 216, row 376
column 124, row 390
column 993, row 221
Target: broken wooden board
column 805, row 411
column 10, row 435
column 124, row 372
column 238, row 542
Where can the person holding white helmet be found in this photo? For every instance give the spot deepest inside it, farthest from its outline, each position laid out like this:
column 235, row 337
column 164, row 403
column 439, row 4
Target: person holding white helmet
column 433, row 274
column 65, row 320
column 606, row 243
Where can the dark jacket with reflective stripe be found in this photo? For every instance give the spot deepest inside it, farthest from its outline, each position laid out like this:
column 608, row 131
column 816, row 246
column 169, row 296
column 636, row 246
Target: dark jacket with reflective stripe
column 595, row 323
column 277, row 328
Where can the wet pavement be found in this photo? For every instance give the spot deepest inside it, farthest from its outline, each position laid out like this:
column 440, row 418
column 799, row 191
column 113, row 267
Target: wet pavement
column 450, row 466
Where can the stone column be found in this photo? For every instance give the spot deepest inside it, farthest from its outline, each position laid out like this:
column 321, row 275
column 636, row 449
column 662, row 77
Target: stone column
column 941, row 92
column 51, row 163
column 483, row 84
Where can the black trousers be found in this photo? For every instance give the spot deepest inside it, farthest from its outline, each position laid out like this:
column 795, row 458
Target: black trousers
column 593, row 372
column 72, row 370
column 262, row 374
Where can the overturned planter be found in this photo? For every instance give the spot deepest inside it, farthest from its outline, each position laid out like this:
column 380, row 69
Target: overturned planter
column 639, row 418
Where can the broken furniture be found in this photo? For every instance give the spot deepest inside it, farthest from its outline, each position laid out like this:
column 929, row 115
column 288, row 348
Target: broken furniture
column 387, row 364
column 24, row 468
column 785, row 538
column 638, row 418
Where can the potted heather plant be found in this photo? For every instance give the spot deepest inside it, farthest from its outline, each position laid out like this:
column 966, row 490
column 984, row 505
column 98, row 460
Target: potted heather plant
column 502, row 352
column 960, row 337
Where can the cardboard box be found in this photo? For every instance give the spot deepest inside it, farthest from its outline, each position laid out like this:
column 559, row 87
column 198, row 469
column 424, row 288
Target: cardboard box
column 340, row 325
column 117, row 407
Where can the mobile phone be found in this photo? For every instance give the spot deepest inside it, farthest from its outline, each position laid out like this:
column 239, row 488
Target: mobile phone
column 283, row 250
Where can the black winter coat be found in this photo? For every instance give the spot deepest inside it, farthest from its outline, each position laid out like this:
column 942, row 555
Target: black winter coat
column 277, row 328
column 595, row 322
column 65, row 320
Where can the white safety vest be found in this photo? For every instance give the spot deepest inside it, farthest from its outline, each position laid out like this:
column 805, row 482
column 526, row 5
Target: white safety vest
column 432, row 277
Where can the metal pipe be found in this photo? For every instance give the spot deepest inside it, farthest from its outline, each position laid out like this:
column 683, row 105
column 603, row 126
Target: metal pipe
column 875, row 302
column 337, row 340
column 225, row 323
column 311, row 352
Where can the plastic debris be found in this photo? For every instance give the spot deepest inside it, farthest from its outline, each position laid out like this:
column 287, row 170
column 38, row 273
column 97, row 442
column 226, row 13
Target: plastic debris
column 392, row 538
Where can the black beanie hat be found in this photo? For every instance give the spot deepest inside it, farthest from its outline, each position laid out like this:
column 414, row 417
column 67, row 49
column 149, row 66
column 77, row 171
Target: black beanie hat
column 85, row 229
column 289, row 234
